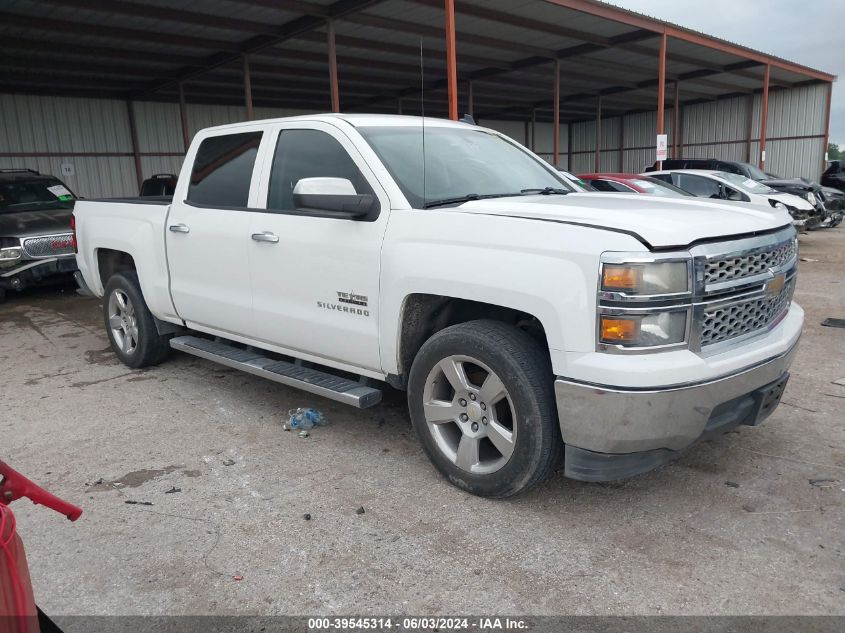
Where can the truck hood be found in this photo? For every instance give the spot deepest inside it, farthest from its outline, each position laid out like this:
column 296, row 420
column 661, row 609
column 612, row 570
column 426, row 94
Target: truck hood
column 40, row 222
column 657, row 222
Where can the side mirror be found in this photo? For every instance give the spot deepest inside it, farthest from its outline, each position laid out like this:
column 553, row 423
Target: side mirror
column 334, row 197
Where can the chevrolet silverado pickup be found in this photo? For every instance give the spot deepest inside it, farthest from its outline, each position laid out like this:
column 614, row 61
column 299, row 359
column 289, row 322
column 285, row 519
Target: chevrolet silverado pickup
column 527, row 321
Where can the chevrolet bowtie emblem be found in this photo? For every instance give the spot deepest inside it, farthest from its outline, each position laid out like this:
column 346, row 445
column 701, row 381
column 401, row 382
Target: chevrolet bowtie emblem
column 775, row 285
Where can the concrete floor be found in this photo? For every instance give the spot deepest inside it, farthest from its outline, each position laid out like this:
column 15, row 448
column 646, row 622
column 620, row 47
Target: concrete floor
column 679, row 540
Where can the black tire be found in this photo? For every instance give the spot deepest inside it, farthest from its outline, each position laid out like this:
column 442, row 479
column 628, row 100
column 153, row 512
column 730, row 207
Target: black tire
column 523, row 367
column 150, row 348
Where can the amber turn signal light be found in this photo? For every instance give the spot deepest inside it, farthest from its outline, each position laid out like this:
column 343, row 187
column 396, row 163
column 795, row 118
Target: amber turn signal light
column 621, row 277
column 619, row 329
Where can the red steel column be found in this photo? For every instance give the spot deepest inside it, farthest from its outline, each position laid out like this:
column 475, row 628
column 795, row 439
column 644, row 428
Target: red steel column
column 676, row 121
column 598, row 137
column 133, row 134
column 335, row 88
column 827, row 126
column 183, row 116
column 451, row 60
column 661, row 89
column 556, row 115
column 247, row 90
column 764, row 117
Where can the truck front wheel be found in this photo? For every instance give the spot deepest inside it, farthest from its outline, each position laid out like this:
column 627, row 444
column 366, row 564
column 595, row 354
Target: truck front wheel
column 481, row 399
column 130, row 325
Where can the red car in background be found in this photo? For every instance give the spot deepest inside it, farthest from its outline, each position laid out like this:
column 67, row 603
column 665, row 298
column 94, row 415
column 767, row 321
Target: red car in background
column 632, row 183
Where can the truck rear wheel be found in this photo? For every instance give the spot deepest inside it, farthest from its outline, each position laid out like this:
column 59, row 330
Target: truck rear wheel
column 481, row 398
column 130, row 325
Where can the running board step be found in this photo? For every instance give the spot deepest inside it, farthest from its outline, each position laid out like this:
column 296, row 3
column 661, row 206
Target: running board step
column 253, row 362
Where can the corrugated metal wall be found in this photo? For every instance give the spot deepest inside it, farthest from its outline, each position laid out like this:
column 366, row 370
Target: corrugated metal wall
column 716, row 129
column 93, row 136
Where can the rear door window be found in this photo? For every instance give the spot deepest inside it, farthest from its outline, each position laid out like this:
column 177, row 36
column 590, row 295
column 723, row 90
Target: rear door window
column 222, row 170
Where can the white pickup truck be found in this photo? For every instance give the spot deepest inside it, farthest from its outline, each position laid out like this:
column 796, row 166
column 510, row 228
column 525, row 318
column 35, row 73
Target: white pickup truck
column 526, row 320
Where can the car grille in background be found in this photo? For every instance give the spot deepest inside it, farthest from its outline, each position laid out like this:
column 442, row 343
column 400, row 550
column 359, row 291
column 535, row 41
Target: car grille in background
column 730, row 268
column 49, row 245
column 745, row 317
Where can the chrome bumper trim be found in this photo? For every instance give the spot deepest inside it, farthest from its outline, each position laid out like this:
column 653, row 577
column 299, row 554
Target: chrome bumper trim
column 608, row 419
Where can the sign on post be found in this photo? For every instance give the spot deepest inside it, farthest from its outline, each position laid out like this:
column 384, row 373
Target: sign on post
column 662, row 147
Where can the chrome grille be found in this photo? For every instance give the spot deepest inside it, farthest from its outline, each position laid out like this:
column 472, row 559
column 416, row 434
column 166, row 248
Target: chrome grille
column 747, row 265
column 745, row 317
column 48, row 245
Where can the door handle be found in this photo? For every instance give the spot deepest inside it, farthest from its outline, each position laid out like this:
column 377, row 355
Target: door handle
column 179, row 228
column 265, row 236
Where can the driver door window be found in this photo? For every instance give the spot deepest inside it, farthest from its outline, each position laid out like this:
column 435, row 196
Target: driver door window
column 309, row 154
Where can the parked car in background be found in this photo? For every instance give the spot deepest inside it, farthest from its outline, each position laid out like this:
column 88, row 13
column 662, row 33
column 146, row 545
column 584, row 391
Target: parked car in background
column 36, row 242
column 158, row 185
column 834, row 175
column 722, row 185
column 632, row 183
column 525, row 319
column 575, row 181
column 803, row 187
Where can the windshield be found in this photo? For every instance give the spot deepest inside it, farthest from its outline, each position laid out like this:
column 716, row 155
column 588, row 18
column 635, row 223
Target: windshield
column 33, row 193
column 460, row 164
column 746, row 184
column 655, row 187
column 755, row 172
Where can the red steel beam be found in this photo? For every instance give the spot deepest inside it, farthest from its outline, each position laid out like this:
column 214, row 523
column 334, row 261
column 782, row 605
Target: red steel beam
column 608, row 12
column 335, row 88
column 556, row 115
column 598, row 136
column 827, row 126
column 676, row 122
column 133, row 133
column 661, row 89
column 183, row 117
column 451, row 60
column 764, row 117
column 247, row 90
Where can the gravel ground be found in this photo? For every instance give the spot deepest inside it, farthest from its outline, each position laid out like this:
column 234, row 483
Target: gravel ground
column 734, row 527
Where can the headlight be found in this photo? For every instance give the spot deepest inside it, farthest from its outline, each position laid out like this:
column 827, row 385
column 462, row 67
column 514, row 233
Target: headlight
column 644, row 330
column 10, row 254
column 651, row 278
column 811, row 198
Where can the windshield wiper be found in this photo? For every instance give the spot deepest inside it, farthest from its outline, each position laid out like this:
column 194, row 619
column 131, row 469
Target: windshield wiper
column 546, row 191
column 467, row 198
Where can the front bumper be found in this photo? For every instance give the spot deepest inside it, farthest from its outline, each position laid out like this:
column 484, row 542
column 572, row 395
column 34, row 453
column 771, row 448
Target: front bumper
column 35, row 272
column 612, row 433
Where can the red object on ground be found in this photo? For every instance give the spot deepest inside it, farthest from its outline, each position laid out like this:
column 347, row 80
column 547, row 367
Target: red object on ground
column 17, row 604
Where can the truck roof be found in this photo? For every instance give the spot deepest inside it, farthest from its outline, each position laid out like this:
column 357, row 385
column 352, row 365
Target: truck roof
column 356, row 120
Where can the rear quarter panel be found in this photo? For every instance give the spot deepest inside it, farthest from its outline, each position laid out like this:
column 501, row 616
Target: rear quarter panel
column 136, row 229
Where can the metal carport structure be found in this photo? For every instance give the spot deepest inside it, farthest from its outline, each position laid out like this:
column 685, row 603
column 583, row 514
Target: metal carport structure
column 578, row 79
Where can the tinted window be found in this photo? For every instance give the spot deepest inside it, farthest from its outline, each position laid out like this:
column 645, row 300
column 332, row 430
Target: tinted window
column 609, row 185
column 309, row 154
column 698, row 186
column 730, row 168
column 27, row 193
column 223, row 170
column 664, row 177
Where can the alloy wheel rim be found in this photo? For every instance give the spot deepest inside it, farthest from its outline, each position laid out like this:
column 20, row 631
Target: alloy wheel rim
column 470, row 414
column 123, row 322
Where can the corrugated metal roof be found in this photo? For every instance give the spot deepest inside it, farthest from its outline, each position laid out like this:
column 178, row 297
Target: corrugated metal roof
column 139, row 48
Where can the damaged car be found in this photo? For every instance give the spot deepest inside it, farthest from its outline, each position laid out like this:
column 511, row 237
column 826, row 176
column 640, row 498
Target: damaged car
column 36, row 240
